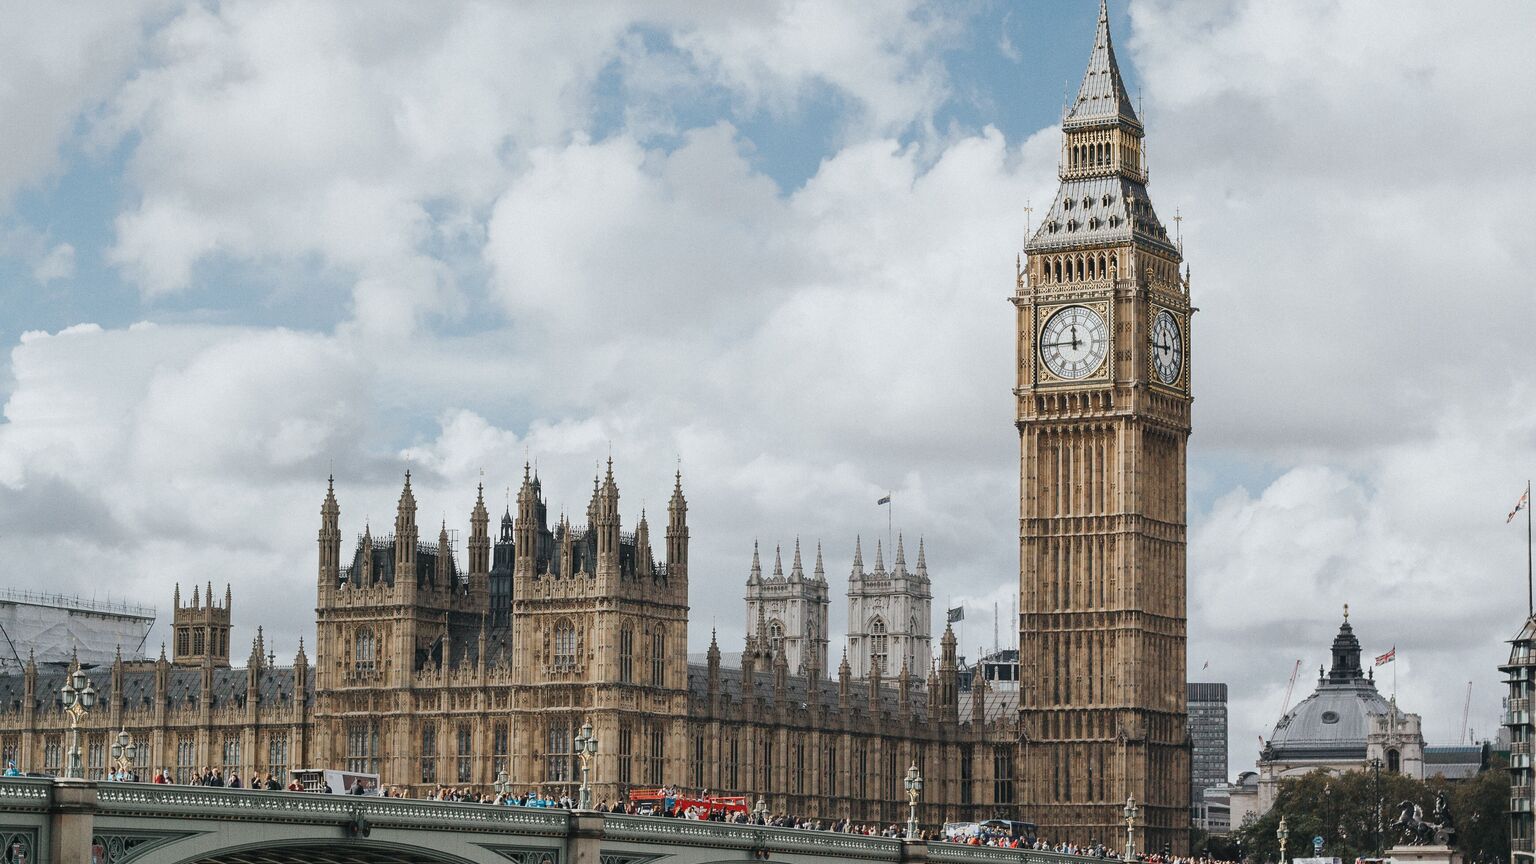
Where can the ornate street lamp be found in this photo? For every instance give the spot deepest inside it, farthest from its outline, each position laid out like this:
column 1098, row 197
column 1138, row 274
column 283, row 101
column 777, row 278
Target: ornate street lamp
column 1130, row 828
column 124, row 752
column 761, row 811
column 503, row 786
column 1282, row 834
column 78, row 695
column 586, row 748
column 914, row 784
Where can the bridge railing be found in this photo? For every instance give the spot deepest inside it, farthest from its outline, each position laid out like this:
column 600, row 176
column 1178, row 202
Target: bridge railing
column 121, row 803
column 725, row 835
column 940, row 851
column 196, row 802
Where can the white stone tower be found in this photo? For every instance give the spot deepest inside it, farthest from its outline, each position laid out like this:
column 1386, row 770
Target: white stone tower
column 792, row 612
column 890, row 614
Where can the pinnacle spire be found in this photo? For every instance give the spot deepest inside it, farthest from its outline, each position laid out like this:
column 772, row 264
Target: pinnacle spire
column 922, row 560
column 1102, row 96
column 778, row 564
column 820, row 572
column 879, row 557
column 901, row 555
column 756, row 574
column 796, row 571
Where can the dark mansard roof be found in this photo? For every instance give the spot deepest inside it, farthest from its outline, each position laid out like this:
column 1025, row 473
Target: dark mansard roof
column 381, row 551
column 184, row 685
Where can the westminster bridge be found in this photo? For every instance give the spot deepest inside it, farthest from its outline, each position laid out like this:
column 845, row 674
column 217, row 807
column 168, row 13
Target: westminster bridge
column 50, row 821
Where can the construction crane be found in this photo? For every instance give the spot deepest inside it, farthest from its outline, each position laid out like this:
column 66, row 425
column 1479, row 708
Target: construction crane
column 1285, row 705
column 1466, row 713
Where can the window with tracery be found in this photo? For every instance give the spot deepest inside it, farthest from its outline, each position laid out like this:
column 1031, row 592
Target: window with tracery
column 429, row 753
column 626, row 654
column 366, row 651
column 499, row 739
column 466, row 753
column 565, row 645
column 878, row 647
column 558, row 750
column 659, row 658
column 776, row 635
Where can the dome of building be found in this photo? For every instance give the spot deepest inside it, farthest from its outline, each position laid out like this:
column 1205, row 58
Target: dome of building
column 1335, row 720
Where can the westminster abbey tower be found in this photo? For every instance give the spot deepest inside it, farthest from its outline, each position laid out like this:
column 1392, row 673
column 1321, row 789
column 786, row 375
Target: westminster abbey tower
column 1103, row 319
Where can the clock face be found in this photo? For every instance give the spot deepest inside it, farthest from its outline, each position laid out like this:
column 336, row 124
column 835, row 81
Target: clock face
column 1074, row 342
column 1167, row 347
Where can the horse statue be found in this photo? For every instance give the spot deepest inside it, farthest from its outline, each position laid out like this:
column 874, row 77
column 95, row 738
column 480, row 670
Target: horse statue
column 1410, row 821
column 1418, row 831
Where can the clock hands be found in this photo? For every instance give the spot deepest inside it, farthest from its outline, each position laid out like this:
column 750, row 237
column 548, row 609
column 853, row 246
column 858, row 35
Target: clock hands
column 1074, row 342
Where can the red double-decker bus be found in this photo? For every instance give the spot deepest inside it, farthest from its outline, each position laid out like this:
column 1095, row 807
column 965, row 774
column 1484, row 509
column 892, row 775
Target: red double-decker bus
column 654, row 801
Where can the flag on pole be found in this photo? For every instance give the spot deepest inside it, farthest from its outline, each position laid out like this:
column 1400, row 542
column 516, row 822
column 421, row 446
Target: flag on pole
column 1524, row 502
column 886, row 499
column 1387, row 657
column 956, row 614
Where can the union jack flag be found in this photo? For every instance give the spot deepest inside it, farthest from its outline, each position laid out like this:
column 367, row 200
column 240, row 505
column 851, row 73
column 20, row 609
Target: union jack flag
column 1524, row 502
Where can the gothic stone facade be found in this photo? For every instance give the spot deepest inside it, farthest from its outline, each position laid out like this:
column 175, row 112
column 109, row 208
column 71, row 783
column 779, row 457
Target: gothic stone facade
column 418, row 677
column 1103, row 395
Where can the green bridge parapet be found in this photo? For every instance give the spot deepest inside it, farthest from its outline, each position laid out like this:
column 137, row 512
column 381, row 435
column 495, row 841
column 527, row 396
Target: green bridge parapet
column 60, row 820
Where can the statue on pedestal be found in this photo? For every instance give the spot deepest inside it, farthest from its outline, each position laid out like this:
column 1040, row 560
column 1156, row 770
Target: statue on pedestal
column 1417, row 831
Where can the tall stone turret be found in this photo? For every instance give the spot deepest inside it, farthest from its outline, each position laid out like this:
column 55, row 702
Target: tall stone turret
column 329, row 539
column 202, row 629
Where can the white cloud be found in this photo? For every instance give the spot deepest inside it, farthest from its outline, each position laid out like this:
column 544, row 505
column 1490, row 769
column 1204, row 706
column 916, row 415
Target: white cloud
column 59, row 61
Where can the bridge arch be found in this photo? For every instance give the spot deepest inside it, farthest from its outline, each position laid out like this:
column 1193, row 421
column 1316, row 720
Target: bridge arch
column 321, row 851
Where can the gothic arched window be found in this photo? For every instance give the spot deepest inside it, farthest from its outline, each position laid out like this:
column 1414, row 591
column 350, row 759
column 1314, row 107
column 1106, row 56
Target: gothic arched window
column 659, row 657
column 776, row 635
column 365, row 650
column 1394, row 762
column 626, row 654
column 877, row 644
column 565, row 645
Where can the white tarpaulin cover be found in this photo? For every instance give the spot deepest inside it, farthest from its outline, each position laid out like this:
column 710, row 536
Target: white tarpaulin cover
column 53, row 627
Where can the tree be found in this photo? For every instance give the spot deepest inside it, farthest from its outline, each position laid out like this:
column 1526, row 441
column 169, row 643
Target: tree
column 1341, row 808
column 1478, row 804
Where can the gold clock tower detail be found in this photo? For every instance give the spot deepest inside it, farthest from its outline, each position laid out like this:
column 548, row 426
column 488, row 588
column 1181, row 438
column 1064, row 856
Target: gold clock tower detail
column 1103, row 416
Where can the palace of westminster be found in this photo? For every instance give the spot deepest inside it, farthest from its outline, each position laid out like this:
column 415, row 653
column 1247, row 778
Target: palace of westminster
column 429, row 669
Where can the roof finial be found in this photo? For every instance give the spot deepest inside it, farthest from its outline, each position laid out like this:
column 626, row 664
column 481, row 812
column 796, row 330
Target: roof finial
column 1346, row 611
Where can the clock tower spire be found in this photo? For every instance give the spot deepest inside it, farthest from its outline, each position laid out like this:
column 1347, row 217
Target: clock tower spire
column 1103, row 413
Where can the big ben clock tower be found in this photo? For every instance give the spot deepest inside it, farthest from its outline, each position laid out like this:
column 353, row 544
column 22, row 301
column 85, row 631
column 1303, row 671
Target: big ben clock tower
column 1103, row 415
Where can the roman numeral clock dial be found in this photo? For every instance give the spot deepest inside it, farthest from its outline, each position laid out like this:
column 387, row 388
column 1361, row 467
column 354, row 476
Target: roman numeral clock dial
column 1167, row 347
column 1074, row 342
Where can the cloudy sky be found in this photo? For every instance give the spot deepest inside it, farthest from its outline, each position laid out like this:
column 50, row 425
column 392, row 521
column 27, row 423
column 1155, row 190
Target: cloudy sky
column 245, row 244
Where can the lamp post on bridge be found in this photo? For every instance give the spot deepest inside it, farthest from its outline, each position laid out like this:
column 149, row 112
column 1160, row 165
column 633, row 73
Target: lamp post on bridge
column 1282, row 834
column 78, row 695
column 586, row 748
column 503, row 786
column 124, row 752
column 914, row 784
column 1130, row 828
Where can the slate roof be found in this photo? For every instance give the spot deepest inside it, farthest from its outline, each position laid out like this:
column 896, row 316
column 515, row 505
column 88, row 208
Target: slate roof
column 1102, row 211
column 734, row 689
column 1101, row 97
column 183, row 685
